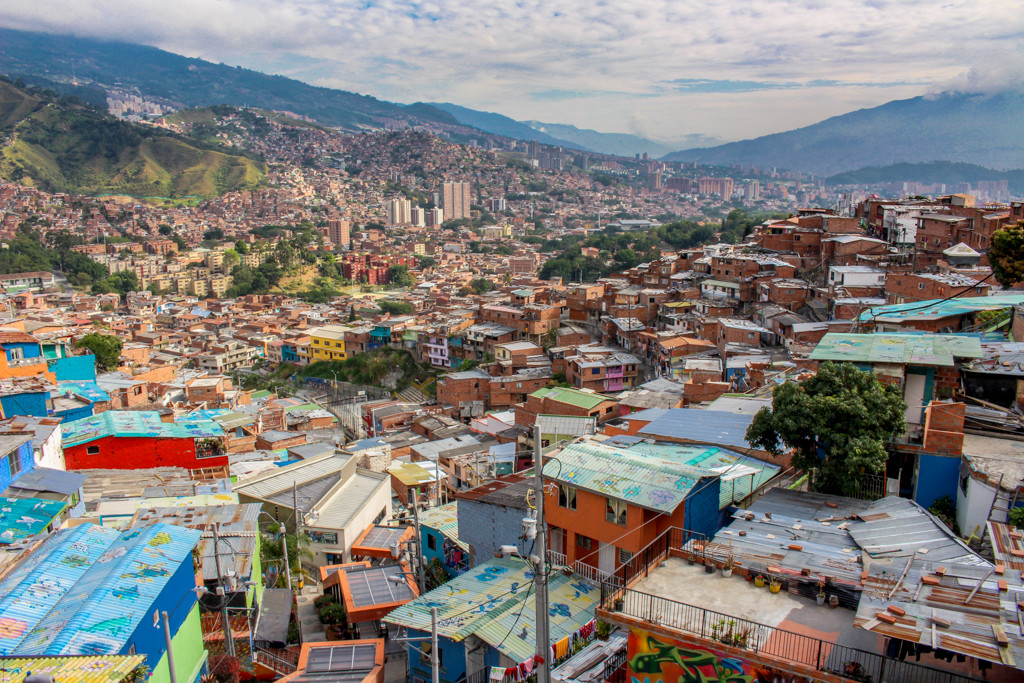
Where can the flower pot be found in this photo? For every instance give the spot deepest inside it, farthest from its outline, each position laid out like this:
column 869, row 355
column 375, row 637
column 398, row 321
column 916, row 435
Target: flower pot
column 709, row 567
column 690, row 559
column 833, row 601
column 619, row 604
column 821, row 599
column 726, row 571
column 775, row 586
column 759, row 582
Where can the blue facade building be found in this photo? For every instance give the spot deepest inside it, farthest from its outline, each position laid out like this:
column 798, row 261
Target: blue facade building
column 89, row 590
column 15, row 458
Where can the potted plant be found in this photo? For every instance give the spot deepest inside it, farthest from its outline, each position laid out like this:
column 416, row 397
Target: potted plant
column 691, row 559
column 759, row 581
column 833, row 601
column 821, row 592
column 774, row 586
column 727, row 567
column 604, row 629
column 619, row 604
column 709, row 566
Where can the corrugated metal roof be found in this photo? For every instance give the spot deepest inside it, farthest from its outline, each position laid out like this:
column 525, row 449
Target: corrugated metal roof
column 87, row 589
column 702, row 426
column 25, row 517
column 137, row 423
column 918, row 349
column 941, row 308
column 78, row 669
column 301, row 472
column 573, row 397
column 899, row 527
column 349, row 500
column 495, row 602
column 648, row 481
column 50, row 480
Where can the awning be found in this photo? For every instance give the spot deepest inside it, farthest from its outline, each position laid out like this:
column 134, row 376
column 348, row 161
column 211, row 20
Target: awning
column 275, row 614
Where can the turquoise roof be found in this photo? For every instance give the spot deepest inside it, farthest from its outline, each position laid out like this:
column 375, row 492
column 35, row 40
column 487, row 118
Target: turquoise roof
column 495, row 602
column 87, row 588
column 137, row 423
column 25, row 517
column 656, row 476
column 900, row 349
column 86, row 389
column 941, row 308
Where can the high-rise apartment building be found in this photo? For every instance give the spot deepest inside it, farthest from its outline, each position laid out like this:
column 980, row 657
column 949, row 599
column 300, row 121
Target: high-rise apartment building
column 435, row 216
column 753, row 191
column 723, row 187
column 339, row 232
column 455, row 200
column 418, row 216
column 399, row 211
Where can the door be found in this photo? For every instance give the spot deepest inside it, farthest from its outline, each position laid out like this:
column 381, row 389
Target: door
column 606, row 558
column 913, row 394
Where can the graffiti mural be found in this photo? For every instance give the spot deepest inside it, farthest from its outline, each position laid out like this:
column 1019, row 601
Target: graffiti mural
column 655, row 659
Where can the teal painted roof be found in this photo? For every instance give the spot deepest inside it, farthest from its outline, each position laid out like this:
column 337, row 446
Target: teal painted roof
column 137, row 423
column 444, row 519
column 25, row 517
column 657, row 481
column 87, row 390
column 574, row 397
column 941, row 308
column 87, row 589
column 902, row 349
column 495, row 602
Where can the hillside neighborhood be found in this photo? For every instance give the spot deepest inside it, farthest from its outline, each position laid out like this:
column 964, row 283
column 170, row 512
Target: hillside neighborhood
column 366, row 420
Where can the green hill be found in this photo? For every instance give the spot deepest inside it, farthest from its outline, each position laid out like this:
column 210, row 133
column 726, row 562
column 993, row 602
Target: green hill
column 60, row 144
column 948, row 172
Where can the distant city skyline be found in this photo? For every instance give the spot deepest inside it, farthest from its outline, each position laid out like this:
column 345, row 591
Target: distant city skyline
column 661, row 69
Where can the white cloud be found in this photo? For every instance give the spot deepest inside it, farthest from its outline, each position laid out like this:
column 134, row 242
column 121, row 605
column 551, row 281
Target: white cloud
column 491, row 54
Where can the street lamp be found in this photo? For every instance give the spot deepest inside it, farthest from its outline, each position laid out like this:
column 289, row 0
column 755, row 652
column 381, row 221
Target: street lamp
column 284, row 547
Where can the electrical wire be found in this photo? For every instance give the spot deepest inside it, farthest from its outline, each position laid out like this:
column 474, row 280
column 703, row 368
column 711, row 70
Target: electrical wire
column 934, row 303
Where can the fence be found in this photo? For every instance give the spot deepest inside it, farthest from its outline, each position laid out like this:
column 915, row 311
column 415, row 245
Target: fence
column 768, row 641
column 821, row 655
column 281, row 661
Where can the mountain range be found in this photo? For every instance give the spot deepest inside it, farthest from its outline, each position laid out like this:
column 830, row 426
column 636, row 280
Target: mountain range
column 971, row 128
column 979, row 129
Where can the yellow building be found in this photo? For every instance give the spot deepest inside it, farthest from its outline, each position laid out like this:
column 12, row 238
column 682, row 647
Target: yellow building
column 327, row 343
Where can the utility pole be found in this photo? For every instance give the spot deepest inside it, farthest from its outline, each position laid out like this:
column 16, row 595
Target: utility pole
column 419, row 540
column 287, row 565
column 540, row 569
column 229, row 642
column 435, row 664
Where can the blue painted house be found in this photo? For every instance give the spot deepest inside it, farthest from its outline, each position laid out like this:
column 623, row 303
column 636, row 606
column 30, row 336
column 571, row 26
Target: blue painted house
column 439, row 530
column 486, row 618
column 15, row 457
column 89, row 590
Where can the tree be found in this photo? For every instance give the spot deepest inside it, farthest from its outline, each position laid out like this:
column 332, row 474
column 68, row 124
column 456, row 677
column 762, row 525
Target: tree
column 838, row 424
column 426, row 262
column 396, row 307
column 400, row 276
column 481, row 285
column 106, row 348
column 1006, row 254
column 213, row 234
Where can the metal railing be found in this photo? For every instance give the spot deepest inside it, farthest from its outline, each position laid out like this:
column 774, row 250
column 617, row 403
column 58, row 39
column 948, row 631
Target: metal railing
column 775, row 643
column 281, row 661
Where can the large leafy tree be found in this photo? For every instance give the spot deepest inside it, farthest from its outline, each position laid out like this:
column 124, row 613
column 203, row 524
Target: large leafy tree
column 1006, row 254
column 838, row 424
column 106, row 348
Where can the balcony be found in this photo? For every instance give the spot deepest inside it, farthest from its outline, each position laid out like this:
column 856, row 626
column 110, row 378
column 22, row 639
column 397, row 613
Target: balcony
column 660, row 590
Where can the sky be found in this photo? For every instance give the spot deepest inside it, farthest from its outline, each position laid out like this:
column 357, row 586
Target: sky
column 661, row 69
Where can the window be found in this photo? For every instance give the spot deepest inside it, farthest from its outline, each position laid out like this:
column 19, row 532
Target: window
column 616, row 512
column 16, row 353
column 92, row 450
column 567, row 497
column 431, row 541
column 624, row 556
column 594, row 371
column 15, row 466
column 584, row 542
